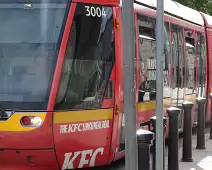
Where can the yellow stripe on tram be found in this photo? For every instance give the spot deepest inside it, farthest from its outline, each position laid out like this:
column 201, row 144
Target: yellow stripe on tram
column 148, row 106
column 13, row 123
column 82, row 116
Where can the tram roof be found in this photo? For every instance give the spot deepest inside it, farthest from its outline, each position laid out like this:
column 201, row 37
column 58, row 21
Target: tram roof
column 176, row 9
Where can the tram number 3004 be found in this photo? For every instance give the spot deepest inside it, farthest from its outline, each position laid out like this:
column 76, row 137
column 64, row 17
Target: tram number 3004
column 92, row 11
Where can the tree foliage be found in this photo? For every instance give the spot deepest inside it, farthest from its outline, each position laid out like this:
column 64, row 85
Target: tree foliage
column 199, row 5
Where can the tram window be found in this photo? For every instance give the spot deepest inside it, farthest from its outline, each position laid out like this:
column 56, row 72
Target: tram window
column 87, row 67
column 203, row 56
column 147, row 44
column 201, row 70
column 178, row 65
column 167, row 62
column 190, row 62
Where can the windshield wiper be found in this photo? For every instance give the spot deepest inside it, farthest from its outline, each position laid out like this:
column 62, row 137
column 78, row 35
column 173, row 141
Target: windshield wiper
column 3, row 114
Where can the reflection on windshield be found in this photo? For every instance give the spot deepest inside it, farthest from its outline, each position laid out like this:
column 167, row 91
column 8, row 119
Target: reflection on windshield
column 89, row 58
column 28, row 42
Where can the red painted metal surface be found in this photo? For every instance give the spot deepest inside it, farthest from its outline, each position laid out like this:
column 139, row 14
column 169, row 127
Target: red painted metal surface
column 29, row 139
column 145, row 116
column 28, row 160
column 205, row 20
column 78, row 144
column 108, row 104
column 119, row 85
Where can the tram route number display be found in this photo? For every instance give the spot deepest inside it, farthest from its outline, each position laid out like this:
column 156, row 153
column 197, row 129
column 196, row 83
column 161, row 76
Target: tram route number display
column 87, row 126
column 95, row 11
column 84, row 155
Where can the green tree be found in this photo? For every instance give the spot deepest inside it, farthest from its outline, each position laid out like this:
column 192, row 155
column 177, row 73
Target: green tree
column 199, row 5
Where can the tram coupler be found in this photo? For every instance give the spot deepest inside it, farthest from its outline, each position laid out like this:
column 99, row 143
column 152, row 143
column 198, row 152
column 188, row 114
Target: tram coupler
column 211, row 118
column 173, row 163
column 201, row 123
column 153, row 124
column 144, row 139
column 187, row 132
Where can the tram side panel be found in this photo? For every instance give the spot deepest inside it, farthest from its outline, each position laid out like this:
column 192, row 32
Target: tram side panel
column 146, row 21
column 82, row 138
column 147, row 68
column 178, row 60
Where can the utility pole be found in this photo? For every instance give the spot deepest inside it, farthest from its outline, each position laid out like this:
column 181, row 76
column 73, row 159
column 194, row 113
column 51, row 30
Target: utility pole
column 159, row 84
column 130, row 112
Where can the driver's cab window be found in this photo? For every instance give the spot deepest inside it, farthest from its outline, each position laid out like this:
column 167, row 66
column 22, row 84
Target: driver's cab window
column 89, row 60
column 147, row 45
column 190, row 62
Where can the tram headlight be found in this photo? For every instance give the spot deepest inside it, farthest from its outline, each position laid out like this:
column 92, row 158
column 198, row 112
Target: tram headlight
column 31, row 121
column 36, row 121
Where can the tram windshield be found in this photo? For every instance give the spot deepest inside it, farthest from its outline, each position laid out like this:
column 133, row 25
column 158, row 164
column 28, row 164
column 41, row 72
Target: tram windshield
column 30, row 36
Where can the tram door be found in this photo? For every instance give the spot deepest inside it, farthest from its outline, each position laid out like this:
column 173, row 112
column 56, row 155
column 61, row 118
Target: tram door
column 178, row 91
column 119, row 115
column 83, row 121
column 190, row 67
column 200, row 67
column 209, row 78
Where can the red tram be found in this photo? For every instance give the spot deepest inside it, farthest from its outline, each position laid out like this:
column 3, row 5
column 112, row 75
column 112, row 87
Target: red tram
column 62, row 82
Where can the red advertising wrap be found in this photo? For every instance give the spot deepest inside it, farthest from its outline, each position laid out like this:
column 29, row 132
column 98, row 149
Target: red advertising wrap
column 62, row 77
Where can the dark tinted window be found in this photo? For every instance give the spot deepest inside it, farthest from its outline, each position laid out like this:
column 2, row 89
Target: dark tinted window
column 89, row 59
column 167, row 62
column 201, row 62
column 190, row 65
column 177, row 65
